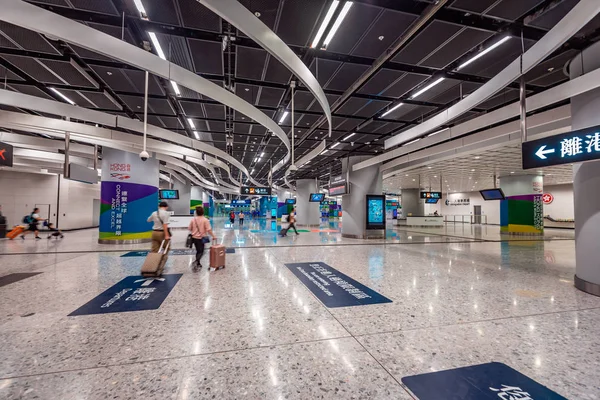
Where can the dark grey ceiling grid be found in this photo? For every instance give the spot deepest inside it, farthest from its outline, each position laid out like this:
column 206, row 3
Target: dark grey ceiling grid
column 192, row 37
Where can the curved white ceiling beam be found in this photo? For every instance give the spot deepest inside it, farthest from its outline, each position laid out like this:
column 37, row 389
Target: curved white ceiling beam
column 29, row 102
column 578, row 17
column 312, row 154
column 39, row 20
column 240, row 17
column 571, row 23
column 104, row 137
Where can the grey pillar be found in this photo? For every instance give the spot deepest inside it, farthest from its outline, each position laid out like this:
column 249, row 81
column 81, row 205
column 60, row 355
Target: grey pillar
column 586, row 179
column 307, row 213
column 411, row 203
column 181, row 206
column 362, row 182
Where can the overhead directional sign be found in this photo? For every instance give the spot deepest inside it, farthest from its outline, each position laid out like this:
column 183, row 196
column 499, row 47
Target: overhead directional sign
column 568, row 148
column 431, row 195
column 6, row 155
column 253, row 190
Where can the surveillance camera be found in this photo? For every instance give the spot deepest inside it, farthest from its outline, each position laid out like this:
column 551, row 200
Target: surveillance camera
column 144, row 155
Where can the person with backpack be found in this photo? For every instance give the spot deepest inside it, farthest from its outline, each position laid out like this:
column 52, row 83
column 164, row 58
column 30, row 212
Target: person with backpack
column 292, row 221
column 32, row 220
column 199, row 228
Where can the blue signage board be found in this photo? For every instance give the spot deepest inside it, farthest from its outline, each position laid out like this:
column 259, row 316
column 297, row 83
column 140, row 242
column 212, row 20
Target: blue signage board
column 491, row 381
column 143, row 253
column 572, row 147
column 134, row 293
column 375, row 211
column 240, row 202
column 334, row 288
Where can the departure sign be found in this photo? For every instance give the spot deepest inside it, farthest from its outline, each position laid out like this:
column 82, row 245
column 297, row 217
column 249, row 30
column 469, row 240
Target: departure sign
column 6, row 155
column 259, row 191
column 431, row 195
column 577, row 146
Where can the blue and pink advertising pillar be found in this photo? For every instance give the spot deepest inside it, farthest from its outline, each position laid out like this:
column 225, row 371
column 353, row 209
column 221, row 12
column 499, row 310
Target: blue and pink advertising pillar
column 129, row 194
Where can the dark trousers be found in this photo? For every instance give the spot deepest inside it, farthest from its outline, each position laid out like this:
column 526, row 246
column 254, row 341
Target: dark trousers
column 293, row 226
column 199, row 245
column 241, row 221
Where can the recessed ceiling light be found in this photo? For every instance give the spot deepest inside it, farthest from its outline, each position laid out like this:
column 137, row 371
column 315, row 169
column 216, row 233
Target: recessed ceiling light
column 435, row 176
column 108, row 73
column 247, row 89
column 429, row 167
column 550, row 69
column 477, row 157
column 381, row 37
column 512, row 172
column 139, row 107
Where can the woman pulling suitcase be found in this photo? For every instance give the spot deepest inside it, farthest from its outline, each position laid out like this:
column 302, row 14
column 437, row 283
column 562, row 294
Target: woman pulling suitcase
column 199, row 227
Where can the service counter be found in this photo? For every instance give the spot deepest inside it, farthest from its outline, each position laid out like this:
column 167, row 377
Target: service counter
column 429, row 220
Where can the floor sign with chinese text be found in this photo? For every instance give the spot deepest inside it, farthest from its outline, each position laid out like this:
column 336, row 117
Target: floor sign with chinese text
column 333, row 288
column 134, row 293
column 491, row 381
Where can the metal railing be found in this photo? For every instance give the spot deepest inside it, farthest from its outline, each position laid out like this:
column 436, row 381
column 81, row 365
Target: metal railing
column 466, row 219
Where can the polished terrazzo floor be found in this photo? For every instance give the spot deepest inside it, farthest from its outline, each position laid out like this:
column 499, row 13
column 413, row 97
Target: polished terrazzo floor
column 253, row 330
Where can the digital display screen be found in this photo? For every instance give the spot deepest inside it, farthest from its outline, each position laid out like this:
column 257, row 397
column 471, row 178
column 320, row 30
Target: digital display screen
column 290, row 201
column 492, row 194
column 338, row 190
column 375, row 211
column 431, row 195
column 165, row 194
column 432, row 201
column 317, row 197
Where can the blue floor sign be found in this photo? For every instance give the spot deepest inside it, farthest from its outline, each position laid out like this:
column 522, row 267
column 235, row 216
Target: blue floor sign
column 134, row 293
column 174, row 252
column 493, row 381
column 333, row 288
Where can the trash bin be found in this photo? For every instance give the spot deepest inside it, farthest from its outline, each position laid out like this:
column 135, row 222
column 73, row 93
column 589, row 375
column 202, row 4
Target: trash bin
column 2, row 227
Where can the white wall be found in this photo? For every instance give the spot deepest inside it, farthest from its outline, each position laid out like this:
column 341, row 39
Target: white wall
column 563, row 205
column 21, row 191
column 560, row 208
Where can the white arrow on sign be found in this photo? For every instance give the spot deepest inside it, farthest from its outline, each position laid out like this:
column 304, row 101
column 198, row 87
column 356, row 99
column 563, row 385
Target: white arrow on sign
column 541, row 153
column 148, row 281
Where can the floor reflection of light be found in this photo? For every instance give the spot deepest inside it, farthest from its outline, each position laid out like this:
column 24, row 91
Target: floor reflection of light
column 196, row 347
column 273, row 376
column 515, row 302
column 6, row 383
column 207, row 303
column 531, row 327
column 538, row 362
column 475, row 306
column 430, row 308
column 552, row 299
column 306, row 309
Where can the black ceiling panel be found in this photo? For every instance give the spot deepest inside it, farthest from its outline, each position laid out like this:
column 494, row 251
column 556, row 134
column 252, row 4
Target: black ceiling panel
column 351, row 106
column 475, row 6
column 454, row 92
column 171, row 122
column 34, row 69
column 215, row 111
column 513, row 9
column 426, row 42
column 380, row 81
column 162, row 11
column 437, row 89
column 459, row 45
column 371, row 108
column 346, row 76
column 76, row 98
column 331, row 98
column 250, row 62
column 495, row 61
column 323, row 70
column 31, row 90
column 114, row 78
column 389, row 26
column 195, row 15
column 136, row 103
column 27, row 39
column 266, row 8
column 270, row 97
column 357, row 22
column 206, row 56
column 66, row 71
column 277, row 72
column 137, row 78
column 101, row 100
column 404, row 85
column 298, row 19
column 8, row 74
column 105, row 7
column 161, row 106
column 302, row 100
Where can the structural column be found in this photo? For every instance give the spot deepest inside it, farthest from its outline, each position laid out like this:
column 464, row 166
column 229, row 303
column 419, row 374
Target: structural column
column 307, row 213
column 522, row 213
column 181, row 206
column 411, row 203
column 128, row 195
column 586, row 179
column 362, row 182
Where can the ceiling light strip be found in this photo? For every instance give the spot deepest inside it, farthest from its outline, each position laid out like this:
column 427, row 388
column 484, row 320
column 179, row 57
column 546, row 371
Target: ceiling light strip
column 391, row 110
column 337, row 23
column 484, row 52
column 324, row 24
column 426, row 88
column 62, row 96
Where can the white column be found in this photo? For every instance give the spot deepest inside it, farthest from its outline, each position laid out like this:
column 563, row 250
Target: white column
column 586, row 179
column 362, row 182
column 411, row 203
column 307, row 213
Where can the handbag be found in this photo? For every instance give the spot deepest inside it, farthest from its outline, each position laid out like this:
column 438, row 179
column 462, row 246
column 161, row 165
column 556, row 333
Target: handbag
column 189, row 241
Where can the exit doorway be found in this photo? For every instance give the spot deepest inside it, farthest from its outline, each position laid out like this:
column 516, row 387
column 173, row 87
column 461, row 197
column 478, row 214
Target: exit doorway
column 477, row 215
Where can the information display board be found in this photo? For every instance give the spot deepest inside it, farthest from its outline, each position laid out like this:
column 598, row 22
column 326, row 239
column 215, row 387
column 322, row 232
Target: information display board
column 572, row 147
column 316, row 197
column 6, row 155
column 375, row 211
column 257, row 191
column 431, row 195
column 290, row 201
column 166, row 194
column 240, row 202
column 338, row 188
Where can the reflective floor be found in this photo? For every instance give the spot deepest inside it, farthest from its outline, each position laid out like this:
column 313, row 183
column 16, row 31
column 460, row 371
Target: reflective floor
column 254, row 330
